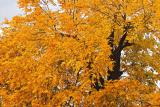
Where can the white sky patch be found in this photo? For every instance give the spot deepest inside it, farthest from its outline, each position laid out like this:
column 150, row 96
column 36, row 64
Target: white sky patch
column 147, row 35
column 157, row 39
column 8, row 9
column 158, row 84
column 156, row 46
column 1, row 35
column 123, row 53
column 150, row 52
column 125, row 74
column 83, row 16
column 55, row 7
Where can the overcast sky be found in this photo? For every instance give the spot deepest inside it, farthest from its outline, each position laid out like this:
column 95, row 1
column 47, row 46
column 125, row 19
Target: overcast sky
column 8, row 9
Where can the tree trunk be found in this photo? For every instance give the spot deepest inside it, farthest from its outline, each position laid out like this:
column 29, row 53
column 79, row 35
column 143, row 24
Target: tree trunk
column 115, row 73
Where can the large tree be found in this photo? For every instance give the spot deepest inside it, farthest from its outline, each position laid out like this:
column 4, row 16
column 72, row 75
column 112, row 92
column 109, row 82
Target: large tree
column 77, row 53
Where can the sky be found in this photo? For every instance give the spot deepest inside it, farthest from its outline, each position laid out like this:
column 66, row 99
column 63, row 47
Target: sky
column 8, row 9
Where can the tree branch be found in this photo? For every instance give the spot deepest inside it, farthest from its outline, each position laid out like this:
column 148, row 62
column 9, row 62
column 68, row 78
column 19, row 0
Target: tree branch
column 127, row 44
column 122, row 39
column 111, row 39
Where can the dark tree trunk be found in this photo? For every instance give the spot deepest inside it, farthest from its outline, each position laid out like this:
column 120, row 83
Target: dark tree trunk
column 116, row 72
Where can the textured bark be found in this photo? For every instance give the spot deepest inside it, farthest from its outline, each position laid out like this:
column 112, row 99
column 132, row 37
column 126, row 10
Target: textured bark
column 115, row 56
column 115, row 73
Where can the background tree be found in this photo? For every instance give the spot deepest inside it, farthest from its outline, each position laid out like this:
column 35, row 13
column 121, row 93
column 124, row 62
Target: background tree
column 76, row 55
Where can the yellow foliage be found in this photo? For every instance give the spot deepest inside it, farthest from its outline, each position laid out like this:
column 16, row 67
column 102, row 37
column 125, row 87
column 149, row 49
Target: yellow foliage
column 69, row 57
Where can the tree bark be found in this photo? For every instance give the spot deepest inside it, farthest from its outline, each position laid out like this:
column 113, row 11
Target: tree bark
column 115, row 73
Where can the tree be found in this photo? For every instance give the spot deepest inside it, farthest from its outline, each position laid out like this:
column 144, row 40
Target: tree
column 76, row 55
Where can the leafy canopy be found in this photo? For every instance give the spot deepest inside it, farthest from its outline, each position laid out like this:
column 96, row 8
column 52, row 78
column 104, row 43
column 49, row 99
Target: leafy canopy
column 75, row 56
